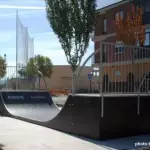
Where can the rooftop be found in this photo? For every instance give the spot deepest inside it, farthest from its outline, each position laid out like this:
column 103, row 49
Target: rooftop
column 104, row 9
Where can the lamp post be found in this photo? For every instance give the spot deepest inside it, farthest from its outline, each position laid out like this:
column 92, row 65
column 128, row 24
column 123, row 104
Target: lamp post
column 90, row 75
column 6, row 77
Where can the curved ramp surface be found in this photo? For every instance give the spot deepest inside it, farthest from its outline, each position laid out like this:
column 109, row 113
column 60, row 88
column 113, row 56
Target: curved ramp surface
column 78, row 116
column 32, row 105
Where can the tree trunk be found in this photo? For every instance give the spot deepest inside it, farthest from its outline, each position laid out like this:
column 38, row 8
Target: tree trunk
column 45, row 84
column 33, row 82
column 73, row 82
column 39, row 82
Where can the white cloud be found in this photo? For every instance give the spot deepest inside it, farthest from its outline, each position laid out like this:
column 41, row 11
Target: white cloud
column 20, row 13
column 21, row 7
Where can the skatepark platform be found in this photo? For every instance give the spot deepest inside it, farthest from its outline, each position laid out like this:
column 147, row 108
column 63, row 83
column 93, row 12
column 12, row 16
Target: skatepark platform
column 92, row 116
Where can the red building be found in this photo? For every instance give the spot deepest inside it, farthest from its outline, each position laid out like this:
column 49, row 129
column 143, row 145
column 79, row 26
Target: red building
column 105, row 30
column 123, row 65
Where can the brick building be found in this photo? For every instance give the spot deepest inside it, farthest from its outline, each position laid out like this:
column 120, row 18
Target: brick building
column 105, row 29
column 117, row 58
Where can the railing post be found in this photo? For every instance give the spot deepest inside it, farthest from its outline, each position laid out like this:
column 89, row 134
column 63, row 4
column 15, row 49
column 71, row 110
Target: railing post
column 101, row 80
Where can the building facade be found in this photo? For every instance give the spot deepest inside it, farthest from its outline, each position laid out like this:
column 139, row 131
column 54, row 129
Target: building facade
column 121, row 64
column 60, row 79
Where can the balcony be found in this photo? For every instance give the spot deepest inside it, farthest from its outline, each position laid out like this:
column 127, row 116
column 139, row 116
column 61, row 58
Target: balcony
column 142, row 53
column 146, row 18
column 96, row 59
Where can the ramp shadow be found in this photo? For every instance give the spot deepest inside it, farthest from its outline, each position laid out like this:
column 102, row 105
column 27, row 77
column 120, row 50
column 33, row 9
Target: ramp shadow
column 127, row 143
column 1, row 147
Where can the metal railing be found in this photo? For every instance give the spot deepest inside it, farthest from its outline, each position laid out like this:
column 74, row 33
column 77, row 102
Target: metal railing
column 25, row 80
column 123, row 68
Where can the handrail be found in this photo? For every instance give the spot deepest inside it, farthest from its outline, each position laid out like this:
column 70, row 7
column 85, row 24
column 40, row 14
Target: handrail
column 141, row 83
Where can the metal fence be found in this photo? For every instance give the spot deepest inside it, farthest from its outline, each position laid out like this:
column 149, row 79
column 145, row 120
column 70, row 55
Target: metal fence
column 121, row 69
column 24, row 80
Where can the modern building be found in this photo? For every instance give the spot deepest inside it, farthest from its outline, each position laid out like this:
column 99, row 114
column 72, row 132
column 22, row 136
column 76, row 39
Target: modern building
column 121, row 65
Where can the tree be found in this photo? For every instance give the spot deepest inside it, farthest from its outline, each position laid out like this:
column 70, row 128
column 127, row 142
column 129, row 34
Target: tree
column 3, row 66
column 72, row 21
column 22, row 71
column 131, row 31
column 36, row 64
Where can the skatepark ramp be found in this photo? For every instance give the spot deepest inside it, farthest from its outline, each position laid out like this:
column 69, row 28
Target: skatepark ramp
column 72, row 118
column 82, row 115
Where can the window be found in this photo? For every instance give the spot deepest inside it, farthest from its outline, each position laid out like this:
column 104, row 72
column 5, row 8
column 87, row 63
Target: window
column 117, row 73
column 119, row 47
column 147, row 30
column 147, row 6
column 147, row 39
column 119, row 13
column 105, row 25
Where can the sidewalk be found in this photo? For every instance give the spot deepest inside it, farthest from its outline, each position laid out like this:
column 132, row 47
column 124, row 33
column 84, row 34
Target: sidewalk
column 19, row 135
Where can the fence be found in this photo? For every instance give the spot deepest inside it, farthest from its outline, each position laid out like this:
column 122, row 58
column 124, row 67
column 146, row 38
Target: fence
column 25, row 80
column 121, row 69
column 24, row 43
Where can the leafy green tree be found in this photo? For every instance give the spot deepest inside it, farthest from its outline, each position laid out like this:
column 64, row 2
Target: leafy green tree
column 36, row 64
column 3, row 67
column 22, row 71
column 72, row 21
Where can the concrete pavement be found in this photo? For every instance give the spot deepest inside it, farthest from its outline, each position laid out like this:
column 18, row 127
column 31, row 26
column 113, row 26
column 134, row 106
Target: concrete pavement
column 19, row 135
column 60, row 100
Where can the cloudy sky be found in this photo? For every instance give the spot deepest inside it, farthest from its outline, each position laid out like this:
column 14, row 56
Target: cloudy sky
column 33, row 15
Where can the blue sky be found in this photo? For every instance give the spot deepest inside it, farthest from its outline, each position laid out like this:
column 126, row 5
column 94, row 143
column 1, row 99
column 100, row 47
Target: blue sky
column 33, row 15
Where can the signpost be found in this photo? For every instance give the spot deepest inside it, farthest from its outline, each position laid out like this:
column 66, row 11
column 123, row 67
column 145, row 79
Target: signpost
column 90, row 75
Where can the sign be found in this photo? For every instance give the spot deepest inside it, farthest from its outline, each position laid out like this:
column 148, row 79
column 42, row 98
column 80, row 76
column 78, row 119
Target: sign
column 15, row 97
column 26, row 97
column 38, row 97
column 90, row 75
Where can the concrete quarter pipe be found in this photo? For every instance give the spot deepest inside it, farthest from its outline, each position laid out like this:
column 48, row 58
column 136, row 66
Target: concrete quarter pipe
column 82, row 114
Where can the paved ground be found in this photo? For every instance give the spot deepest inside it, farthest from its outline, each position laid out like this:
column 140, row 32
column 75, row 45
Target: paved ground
column 60, row 100
column 19, row 135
